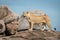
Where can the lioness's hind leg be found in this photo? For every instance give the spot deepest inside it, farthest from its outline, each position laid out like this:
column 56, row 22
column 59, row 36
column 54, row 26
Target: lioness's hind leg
column 43, row 26
column 49, row 26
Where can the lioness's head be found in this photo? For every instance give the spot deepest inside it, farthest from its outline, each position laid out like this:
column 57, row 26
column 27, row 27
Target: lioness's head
column 26, row 14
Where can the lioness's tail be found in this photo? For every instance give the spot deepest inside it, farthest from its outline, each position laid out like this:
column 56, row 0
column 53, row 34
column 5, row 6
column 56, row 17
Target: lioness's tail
column 48, row 22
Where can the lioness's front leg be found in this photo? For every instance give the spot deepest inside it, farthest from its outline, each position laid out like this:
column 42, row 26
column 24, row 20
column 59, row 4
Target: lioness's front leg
column 49, row 26
column 31, row 28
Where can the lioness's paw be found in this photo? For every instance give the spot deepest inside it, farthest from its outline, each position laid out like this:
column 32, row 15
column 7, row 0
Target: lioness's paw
column 30, row 29
column 42, row 29
column 49, row 30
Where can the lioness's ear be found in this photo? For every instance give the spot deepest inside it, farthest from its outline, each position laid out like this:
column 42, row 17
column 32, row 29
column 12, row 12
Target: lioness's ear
column 27, row 12
column 23, row 12
column 45, row 14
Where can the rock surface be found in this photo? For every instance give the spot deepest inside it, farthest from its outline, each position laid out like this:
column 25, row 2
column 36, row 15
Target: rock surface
column 9, row 17
column 34, row 35
column 12, row 27
column 23, row 23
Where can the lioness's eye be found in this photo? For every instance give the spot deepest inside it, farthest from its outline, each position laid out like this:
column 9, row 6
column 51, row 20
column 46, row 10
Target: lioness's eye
column 27, row 12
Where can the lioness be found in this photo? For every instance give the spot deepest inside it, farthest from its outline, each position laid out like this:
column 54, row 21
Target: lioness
column 42, row 19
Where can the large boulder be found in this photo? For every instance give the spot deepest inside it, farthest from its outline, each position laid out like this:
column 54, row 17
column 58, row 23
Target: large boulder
column 23, row 23
column 9, row 17
column 38, row 12
column 7, row 14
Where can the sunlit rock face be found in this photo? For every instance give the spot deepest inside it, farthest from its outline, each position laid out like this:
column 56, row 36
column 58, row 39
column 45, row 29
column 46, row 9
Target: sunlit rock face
column 9, row 17
column 7, row 14
column 38, row 12
column 23, row 23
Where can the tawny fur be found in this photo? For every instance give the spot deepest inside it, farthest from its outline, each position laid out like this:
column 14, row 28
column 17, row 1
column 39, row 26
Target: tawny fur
column 38, row 19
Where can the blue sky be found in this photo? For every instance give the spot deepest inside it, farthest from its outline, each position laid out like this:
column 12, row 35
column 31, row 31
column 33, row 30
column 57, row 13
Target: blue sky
column 50, row 7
